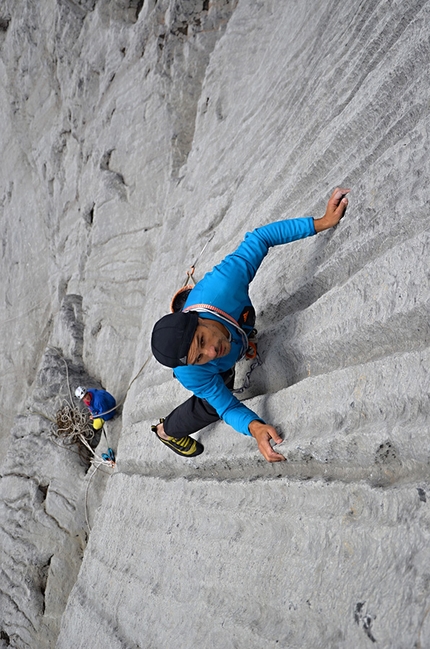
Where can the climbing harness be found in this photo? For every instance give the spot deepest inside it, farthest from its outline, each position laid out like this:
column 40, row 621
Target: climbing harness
column 181, row 295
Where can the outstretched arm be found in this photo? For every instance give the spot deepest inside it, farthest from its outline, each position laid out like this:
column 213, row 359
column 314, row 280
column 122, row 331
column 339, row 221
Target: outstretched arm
column 336, row 208
column 262, row 432
column 247, row 258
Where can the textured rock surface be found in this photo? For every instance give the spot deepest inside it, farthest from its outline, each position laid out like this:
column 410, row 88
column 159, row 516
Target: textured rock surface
column 131, row 131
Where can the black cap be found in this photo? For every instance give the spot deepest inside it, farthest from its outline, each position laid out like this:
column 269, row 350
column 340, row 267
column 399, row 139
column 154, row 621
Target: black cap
column 172, row 337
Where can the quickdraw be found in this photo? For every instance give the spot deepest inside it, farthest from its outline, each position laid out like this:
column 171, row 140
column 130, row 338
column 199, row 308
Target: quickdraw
column 247, row 381
column 251, row 352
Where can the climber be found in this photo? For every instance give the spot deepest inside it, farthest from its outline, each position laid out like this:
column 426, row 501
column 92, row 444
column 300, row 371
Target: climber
column 98, row 402
column 205, row 340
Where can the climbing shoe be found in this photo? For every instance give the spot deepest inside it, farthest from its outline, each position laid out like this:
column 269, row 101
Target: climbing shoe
column 185, row 446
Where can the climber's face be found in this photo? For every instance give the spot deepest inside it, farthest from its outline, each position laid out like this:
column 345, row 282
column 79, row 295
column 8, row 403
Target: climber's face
column 210, row 341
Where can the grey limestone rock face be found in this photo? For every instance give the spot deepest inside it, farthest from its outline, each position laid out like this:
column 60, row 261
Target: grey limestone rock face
column 45, row 502
column 132, row 132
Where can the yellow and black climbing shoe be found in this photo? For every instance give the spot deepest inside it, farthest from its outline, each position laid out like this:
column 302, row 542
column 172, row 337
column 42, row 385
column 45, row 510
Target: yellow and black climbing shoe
column 185, row 446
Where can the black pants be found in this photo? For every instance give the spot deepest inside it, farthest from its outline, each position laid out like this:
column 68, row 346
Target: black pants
column 194, row 414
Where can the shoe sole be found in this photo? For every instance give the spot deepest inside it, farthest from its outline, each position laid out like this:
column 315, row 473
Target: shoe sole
column 196, row 447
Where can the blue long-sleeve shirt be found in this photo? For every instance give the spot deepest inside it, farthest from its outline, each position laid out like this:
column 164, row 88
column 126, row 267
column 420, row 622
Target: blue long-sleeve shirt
column 226, row 288
column 101, row 402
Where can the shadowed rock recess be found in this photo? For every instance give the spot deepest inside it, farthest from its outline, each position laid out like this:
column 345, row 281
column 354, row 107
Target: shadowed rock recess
column 133, row 130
